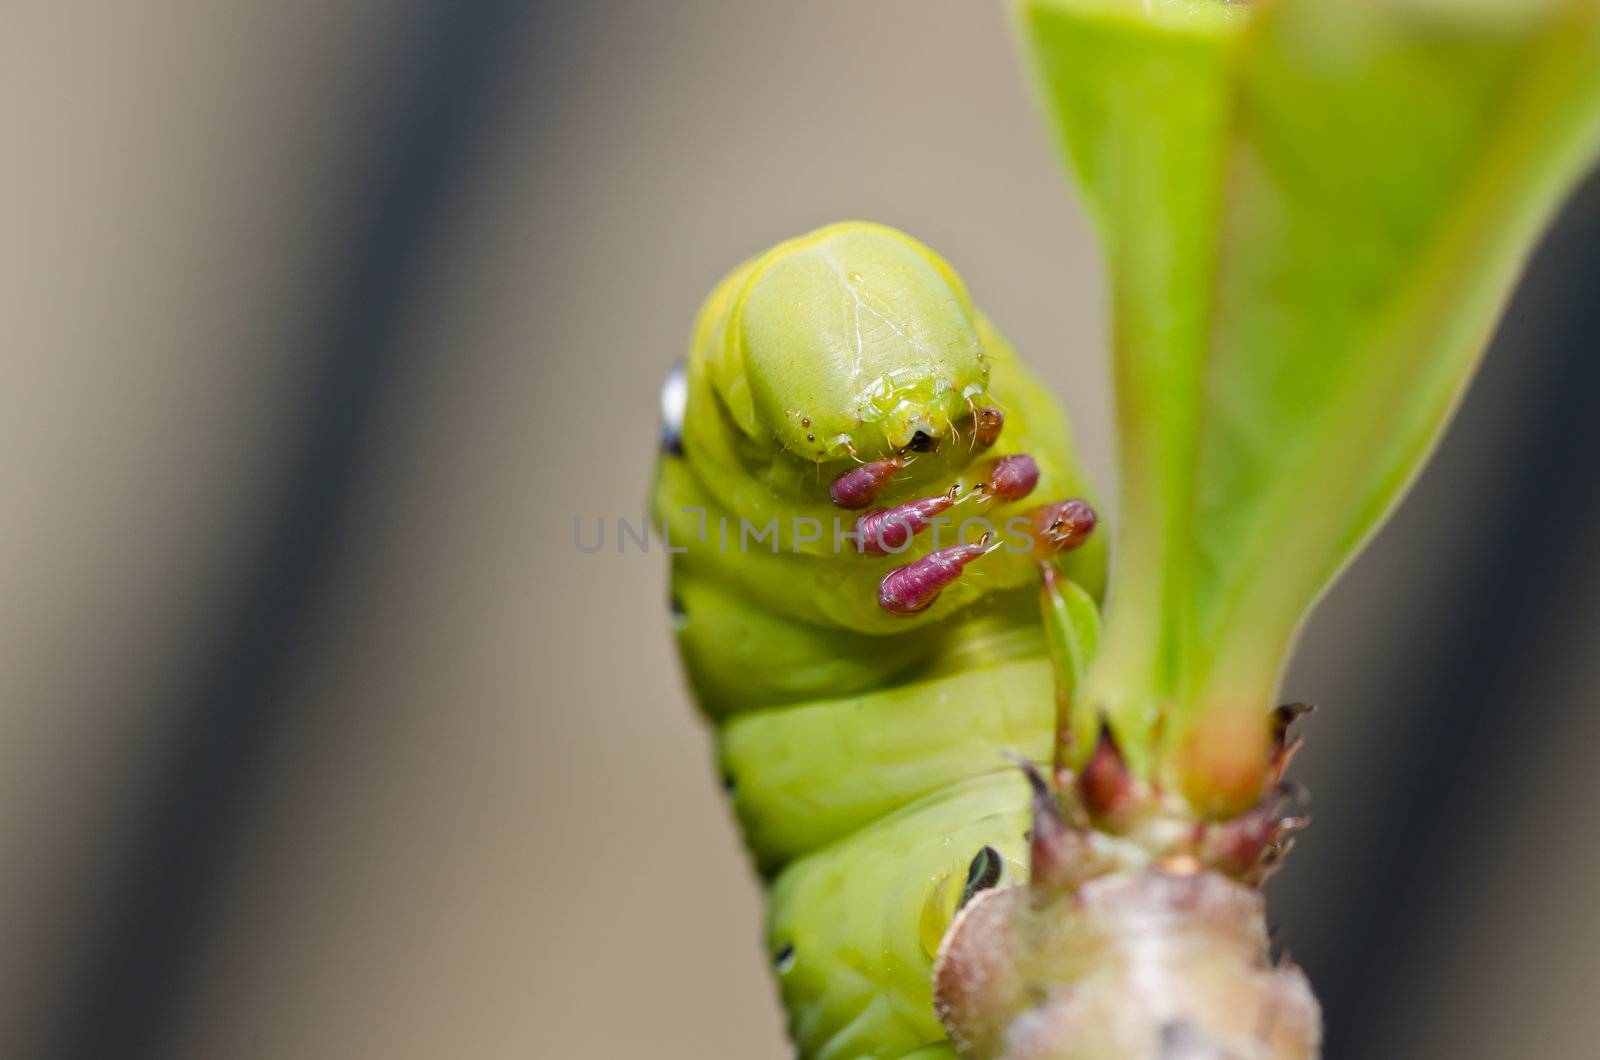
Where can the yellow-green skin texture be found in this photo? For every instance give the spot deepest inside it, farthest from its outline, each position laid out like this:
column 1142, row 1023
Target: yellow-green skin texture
column 862, row 752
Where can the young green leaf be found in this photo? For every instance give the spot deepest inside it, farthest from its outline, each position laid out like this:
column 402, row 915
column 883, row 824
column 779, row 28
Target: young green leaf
column 1071, row 636
column 1312, row 212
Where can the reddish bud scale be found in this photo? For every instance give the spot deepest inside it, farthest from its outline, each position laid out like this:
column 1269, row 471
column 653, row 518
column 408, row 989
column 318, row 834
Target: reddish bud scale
column 1248, row 846
column 860, row 486
column 914, row 587
column 1283, row 747
column 1059, row 856
column 886, row 530
column 1108, row 789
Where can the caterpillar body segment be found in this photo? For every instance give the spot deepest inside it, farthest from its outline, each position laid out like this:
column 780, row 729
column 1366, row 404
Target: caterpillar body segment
column 860, row 921
column 807, row 775
column 864, row 706
column 741, row 657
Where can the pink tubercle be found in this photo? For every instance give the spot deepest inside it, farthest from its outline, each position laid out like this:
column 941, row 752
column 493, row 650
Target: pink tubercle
column 1010, row 478
column 986, row 424
column 914, row 587
column 860, row 486
column 1062, row 525
column 886, row 530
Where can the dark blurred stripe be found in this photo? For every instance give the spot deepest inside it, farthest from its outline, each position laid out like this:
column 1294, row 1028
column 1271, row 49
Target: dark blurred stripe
column 1463, row 678
column 182, row 837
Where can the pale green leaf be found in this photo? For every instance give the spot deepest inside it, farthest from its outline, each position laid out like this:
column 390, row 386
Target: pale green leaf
column 1312, row 212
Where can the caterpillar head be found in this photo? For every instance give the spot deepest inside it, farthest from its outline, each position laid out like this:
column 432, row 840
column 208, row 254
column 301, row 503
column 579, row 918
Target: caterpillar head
column 842, row 386
column 857, row 343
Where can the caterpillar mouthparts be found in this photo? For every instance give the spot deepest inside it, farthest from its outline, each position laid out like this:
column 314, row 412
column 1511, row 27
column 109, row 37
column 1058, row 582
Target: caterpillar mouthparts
column 858, row 487
column 883, row 531
column 913, row 588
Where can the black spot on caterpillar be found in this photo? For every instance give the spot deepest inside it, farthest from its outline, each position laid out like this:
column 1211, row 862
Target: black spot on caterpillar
column 986, row 870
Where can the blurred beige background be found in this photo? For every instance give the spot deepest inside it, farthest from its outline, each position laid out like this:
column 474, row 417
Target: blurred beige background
column 486, row 824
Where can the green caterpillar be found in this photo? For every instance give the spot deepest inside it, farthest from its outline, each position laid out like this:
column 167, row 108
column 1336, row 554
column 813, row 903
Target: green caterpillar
column 865, row 688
